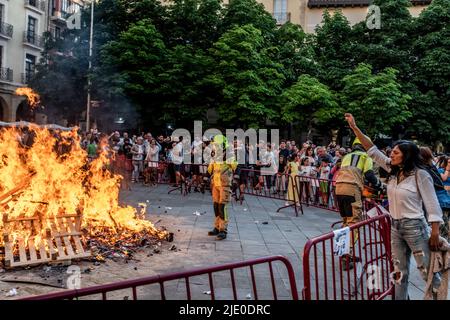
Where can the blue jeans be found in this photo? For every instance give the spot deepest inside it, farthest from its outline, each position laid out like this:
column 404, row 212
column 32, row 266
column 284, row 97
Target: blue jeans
column 410, row 236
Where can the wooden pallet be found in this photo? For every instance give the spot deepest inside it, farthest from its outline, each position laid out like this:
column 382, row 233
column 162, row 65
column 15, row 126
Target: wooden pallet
column 24, row 252
column 66, row 234
column 62, row 241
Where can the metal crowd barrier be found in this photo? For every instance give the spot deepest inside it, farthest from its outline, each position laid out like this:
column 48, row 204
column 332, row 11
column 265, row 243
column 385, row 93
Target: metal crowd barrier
column 279, row 187
column 161, row 280
column 295, row 190
column 361, row 275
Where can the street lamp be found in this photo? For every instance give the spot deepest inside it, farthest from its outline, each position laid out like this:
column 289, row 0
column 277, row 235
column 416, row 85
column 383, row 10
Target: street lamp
column 91, row 36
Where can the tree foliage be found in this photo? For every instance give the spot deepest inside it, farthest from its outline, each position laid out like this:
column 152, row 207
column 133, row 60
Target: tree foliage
column 173, row 62
column 376, row 100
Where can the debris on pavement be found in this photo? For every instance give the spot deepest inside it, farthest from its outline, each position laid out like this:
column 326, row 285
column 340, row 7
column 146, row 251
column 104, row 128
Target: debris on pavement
column 13, row 292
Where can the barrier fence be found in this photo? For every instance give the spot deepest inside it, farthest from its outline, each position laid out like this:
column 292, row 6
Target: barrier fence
column 193, row 290
column 362, row 274
column 278, row 187
column 294, row 190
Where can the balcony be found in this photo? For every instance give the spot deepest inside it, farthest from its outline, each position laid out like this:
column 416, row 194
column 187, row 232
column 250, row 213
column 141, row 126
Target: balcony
column 26, row 77
column 35, row 5
column 352, row 3
column 6, row 30
column 6, row 74
column 59, row 16
column 33, row 40
column 282, row 17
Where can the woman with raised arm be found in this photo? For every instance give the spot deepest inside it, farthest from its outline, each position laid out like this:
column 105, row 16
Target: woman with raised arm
column 410, row 189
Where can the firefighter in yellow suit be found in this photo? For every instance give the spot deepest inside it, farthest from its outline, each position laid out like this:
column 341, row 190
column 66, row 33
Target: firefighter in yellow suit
column 221, row 170
column 356, row 170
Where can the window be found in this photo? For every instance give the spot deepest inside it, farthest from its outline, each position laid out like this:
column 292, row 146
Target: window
column 31, row 29
column 65, row 5
column 30, row 66
column 2, row 11
column 57, row 34
column 280, row 11
column 1, row 56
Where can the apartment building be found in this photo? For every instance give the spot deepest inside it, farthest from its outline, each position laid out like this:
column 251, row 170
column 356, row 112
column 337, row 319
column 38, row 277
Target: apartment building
column 22, row 25
column 308, row 13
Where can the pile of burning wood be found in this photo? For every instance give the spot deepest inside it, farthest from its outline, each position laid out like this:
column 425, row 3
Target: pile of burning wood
column 55, row 203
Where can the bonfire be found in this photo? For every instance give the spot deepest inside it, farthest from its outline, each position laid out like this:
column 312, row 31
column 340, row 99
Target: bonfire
column 55, row 177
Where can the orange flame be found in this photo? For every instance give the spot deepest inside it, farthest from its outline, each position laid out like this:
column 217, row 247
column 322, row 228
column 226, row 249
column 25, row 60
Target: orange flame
column 33, row 98
column 64, row 183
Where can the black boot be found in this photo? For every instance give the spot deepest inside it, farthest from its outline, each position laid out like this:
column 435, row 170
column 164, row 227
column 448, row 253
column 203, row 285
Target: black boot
column 214, row 232
column 221, row 236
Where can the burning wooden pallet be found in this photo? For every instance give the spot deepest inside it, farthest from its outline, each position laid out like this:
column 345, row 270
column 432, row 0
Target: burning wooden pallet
column 35, row 240
column 62, row 240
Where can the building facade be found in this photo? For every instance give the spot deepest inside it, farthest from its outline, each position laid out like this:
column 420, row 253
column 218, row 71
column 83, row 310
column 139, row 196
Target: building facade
column 22, row 25
column 308, row 13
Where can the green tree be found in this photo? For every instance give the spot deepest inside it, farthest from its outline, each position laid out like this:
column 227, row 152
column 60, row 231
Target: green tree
column 294, row 50
column 310, row 103
column 389, row 46
column 246, row 79
column 334, row 49
column 243, row 12
column 193, row 22
column 132, row 65
column 184, row 93
column 375, row 99
column 431, row 90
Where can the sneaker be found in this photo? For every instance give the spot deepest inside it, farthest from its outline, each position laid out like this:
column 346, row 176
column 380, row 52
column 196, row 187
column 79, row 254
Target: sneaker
column 214, row 232
column 221, row 236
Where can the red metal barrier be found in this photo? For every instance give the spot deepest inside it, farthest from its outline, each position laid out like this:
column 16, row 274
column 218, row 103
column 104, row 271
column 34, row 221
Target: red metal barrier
column 279, row 187
column 317, row 192
column 328, row 277
column 186, row 275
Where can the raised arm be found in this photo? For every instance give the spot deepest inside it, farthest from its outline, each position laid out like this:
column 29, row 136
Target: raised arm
column 379, row 157
column 365, row 140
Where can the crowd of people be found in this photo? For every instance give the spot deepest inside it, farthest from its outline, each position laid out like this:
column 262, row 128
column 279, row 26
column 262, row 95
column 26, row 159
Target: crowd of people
column 150, row 160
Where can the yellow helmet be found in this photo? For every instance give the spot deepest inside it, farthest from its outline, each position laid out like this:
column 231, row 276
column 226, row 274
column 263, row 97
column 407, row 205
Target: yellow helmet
column 356, row 141
column 221, row 139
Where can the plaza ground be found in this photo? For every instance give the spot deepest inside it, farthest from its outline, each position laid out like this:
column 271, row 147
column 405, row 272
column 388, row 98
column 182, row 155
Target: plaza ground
column 255, row 230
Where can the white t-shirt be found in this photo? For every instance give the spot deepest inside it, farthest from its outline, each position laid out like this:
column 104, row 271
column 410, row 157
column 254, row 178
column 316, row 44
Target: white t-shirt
column 198, row 151
column 177, row 153
column 325, row 172
column 269, row 158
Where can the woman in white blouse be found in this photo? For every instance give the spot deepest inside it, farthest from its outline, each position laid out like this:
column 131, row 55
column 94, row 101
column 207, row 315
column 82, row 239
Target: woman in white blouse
column 410, row 189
